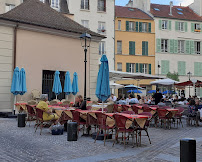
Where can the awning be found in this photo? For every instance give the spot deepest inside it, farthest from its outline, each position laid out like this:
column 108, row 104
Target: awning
column 189, row 83
column 164, row 82
column 118, row 75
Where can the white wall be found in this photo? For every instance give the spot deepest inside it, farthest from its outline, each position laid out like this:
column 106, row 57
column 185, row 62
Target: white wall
column 4, row 2
column 174, row 58
column 6, row 68
column 94, row 16
column 197, row 6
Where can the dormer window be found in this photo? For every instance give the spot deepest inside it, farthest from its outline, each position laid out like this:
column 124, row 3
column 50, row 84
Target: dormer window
column 55, row 3
column 85, row 4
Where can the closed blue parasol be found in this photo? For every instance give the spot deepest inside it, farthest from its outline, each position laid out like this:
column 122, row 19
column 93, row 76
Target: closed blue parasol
column 68, row 84
column 15, row 86
column 134, row 91
column 103, row 88
column 169, row 92
column 153, row 91
column 23, row 87
column 75, row 87
column 57, row 88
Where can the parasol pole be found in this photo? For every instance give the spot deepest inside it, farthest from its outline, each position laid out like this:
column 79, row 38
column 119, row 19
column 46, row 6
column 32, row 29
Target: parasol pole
column 14, row 107
column 102, row 106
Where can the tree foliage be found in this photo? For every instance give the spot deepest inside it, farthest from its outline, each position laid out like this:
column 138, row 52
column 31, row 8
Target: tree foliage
column 173, row 76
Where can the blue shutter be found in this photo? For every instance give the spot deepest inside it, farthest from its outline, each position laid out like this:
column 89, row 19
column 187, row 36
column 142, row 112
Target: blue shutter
column 127, row 25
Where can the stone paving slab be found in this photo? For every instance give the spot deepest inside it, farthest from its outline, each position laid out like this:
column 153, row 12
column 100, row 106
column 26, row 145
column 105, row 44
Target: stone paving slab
column 23, row 145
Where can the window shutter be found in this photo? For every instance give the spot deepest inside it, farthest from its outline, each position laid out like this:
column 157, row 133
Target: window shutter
column 196, row 68
column 133, row 48
column 171, row 45
column 140, row 26
column 141, row 67
column 143, row 48
column 192, row 27
column 175, row 46
column 127, row 25
column 128, row 67
column 185, row 24
column 187, row 43
column 176, row 25
column 200, row 92
column 146, row 48
column 136, row 27
column 149, row 68
column 200, row 69
column 162, row 67
column 130, row 47
column 181, row 68
column 149, row 29
column 192, row 47
column 137, row 67
column 170, row 25
column 158, row 45
column 165, row 67
column 160, row 24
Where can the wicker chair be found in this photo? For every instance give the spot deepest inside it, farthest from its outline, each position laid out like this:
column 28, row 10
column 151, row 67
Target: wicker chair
column 35, row 94
column 32, row 102
column 53, row 102
column 65, row 103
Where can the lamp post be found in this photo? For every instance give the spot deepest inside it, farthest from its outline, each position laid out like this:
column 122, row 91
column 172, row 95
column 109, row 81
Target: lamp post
column 85, row 43
column 189, row 75
column 194, row 84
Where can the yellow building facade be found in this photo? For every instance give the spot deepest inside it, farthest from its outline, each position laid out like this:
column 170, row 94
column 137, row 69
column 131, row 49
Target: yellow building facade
column 134, row 44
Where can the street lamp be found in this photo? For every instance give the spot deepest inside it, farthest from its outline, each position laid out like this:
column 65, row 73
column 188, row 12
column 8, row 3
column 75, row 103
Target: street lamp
column 194, row 84
column 85, row 43
column 189, row 75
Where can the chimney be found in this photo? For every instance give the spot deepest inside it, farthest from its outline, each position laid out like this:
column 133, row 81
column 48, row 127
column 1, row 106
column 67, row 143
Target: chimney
column 64, row 7
column 171, row 6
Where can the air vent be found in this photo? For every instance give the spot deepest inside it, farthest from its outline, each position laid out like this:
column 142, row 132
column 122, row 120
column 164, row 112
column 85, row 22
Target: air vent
column 179, row 9
column 180, row 13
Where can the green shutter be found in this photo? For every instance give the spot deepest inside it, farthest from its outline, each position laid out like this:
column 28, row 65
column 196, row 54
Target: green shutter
column 192, row 27
column 149, row 29
column 127, row 25
column 158, row 45
column 196, row 68
column 187, row 44
column 171, row 45
column 131, row 48
column 128, row 67
column 149, row 68
column 192, row 47
column 147, row 48
column 200, row 69
column 169, row 25
column 143, row 47
column 165, row 67
column 136, row 28
column 141, row 68
column 175, row 46
column 200, row 92
column 140, row 26
column 176, row 25
column 160, row 24
column 185, row 24
column 137, row 67
column 181, row 68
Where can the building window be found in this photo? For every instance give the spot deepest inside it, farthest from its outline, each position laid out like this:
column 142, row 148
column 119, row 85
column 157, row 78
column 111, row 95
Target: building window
column 85, row 23
column 130, row 67
column 55, row 3
column 85, row 4
column 102, row 48
column 164, row 24
column 131, row 26
column 197, row 27
column 131, row 48
column 101, row 5
column 119, row 24
column 164, row 45
column 9, row 7
column 119, row 47
column 198, row 68
column 42, row 1
column 144, row 27
column 181, row 26
column 181, row 46
column 102, row 27
column 119, row 66
column 144, row 68
column 145, row 48
column 197, row 47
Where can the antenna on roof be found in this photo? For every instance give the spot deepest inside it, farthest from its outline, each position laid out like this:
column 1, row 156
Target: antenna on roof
column 171, row 6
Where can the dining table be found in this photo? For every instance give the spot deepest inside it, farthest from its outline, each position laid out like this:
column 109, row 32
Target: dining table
column 21, row 106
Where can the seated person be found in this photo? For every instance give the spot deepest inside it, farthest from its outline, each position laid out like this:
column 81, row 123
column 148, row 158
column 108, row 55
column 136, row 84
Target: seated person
column 113, row 98
column 132, row 99
column 192, row 109
column 122, row 101
column 47, row 114
column 161, row 103
column 80, row 103
column 198, row 105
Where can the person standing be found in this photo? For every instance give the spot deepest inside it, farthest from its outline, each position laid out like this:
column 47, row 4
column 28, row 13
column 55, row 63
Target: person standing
column 157, row 96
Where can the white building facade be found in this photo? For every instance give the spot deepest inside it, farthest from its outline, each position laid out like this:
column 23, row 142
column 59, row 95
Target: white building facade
column 98, row 16
column 7, row 5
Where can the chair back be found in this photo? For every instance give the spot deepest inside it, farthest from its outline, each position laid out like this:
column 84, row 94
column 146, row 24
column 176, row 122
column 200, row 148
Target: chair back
column 39, row 114
column 146, row 109
column 120, row 121
column 53, row 103
column 101, row 119
column 88, row 107
column 65, row 102
column 135, row 109
column 105, row 109
column 91, row 120
column 115, row 109
column 149, row 119
column 154, row 106
column 30, row 110
column 180, row 110
column 128, row 112
column 162, row 113
column 32, row 102
column 125, row 107
column 76, row 116
column 145, row 105
column 165, row 107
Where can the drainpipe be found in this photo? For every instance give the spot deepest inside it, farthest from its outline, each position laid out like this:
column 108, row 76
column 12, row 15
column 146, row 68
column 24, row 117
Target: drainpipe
column 15, row 45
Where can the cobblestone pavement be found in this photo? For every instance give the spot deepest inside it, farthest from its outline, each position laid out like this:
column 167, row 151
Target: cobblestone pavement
column 23, row 145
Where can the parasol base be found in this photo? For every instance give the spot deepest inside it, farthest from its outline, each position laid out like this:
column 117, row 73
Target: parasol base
column 101, row 136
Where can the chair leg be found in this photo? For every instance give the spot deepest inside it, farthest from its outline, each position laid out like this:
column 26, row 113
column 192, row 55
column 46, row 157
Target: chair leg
column 41, row 128
column 124, row 140
column 105, row 135
column 37, row 127
column 140, row 134
column 116, row 137
column 181, row 122
column 148, row 135
column 97, row 135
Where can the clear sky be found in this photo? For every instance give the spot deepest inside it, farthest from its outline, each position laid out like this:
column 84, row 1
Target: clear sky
column 176, row 2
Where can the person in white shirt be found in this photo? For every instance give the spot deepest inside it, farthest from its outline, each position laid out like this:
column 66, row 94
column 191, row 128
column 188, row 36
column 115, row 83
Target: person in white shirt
column 132, row 99
column 113, row 98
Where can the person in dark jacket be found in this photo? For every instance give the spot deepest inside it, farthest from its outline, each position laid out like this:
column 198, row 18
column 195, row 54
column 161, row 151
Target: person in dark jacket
column 157, row 96
column 80, row 103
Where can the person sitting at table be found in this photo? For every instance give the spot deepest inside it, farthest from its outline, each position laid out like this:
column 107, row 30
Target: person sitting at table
column 80, row 103
column 47, row 114
column 113, row 98
column 192, row 109
column 122, row 101
column 132, row 99
column 161, row 103
column 198, row 105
